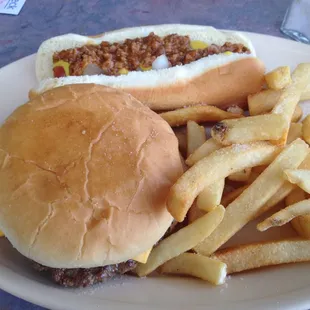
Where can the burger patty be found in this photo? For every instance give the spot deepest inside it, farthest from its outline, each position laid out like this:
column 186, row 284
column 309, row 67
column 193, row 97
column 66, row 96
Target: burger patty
column 82, row 277
column 138, row 54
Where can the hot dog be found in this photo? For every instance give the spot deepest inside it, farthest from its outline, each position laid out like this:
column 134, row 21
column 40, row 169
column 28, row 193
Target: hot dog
column 164, row 66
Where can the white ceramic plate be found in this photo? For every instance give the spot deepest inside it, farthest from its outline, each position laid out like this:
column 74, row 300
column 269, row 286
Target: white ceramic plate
column 285, row 287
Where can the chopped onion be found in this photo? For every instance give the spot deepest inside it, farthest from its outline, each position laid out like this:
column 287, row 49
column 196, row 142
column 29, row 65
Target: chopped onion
column 92, row 69
column 161, row 62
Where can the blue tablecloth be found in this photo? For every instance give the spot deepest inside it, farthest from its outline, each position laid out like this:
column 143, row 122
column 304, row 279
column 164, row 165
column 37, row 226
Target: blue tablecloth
column 21, row 35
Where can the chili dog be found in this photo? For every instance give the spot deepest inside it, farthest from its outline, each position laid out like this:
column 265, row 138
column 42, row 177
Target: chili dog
column 164, row 66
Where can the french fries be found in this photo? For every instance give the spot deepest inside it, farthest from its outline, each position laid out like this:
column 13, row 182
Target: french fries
column 249, row 204
column 297, row 115
column 263, row 102
column 204, row 150
column 306, row 129
column 283, row 192
column 249, row 129
column 299, row 177
column 195, row 213
column 196, row 265
column 241, row 176
column 256, row 255
column 291, row 95
column 218, row 165
column 199, row 114
column 196, row 136
column 285, row 215
column 182, row 241
column 294, row 132
column 302, row 223
column 211, row 196
column 279, row 78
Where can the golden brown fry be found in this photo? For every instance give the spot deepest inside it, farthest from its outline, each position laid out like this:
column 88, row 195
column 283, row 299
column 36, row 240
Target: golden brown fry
column 297, row 114
column 240, row 176
column 306, row 129
column 244, row 130
column 199, row 114
column 278, row 78
column 284, row 216
column 300, row 177
column 211, row 196
column 256, row 255
column 290, row 96
column 294, row 132
column 196, row 265
column 249, row 204
column 181, row 241
column 196, row 136
column 218, row 165
column 302, row 223
column 263, row 102
column 230, row 197
column 280, row 195
column 204, row 150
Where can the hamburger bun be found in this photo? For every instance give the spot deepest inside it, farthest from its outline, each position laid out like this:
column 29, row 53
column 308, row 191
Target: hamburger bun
column 219, row 80
column 85, row 174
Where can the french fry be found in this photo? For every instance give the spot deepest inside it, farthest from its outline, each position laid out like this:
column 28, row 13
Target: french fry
column 306, row 93
column 285, row 215
column 204, row 150
column 249, row 204
column 278, row 78
column 300, row 177
column 280, row 195
column 302, row 223
column 306, row 129
column 198, row 266
column 256, row 255
column 218, row 165
column 196, row 136
column 263, row 102
column 240, row 176
column 249, row 129
column 297, row 115
column 229, row 198
column 199, row 114
column 294, row 132
column 291, row 95
column 182, row 241
column 211, row 196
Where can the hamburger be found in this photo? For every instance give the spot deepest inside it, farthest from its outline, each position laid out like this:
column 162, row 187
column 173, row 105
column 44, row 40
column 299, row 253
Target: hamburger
column 86, row 170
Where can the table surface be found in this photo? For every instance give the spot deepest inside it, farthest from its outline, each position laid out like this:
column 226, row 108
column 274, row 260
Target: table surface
column 41, row 19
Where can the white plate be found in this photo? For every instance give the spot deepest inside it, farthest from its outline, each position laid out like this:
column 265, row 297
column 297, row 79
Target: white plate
column 285, row 287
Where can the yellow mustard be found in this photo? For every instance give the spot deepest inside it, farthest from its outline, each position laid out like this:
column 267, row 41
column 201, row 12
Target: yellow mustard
column 123, row 71
column 198, row 45
column 228, row 53
column 145, row 68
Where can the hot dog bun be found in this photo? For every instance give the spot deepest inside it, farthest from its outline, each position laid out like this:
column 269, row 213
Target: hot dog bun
column 217, row 79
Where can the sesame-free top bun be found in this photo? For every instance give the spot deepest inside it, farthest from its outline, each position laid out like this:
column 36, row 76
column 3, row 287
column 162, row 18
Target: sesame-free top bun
column 85, row 174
